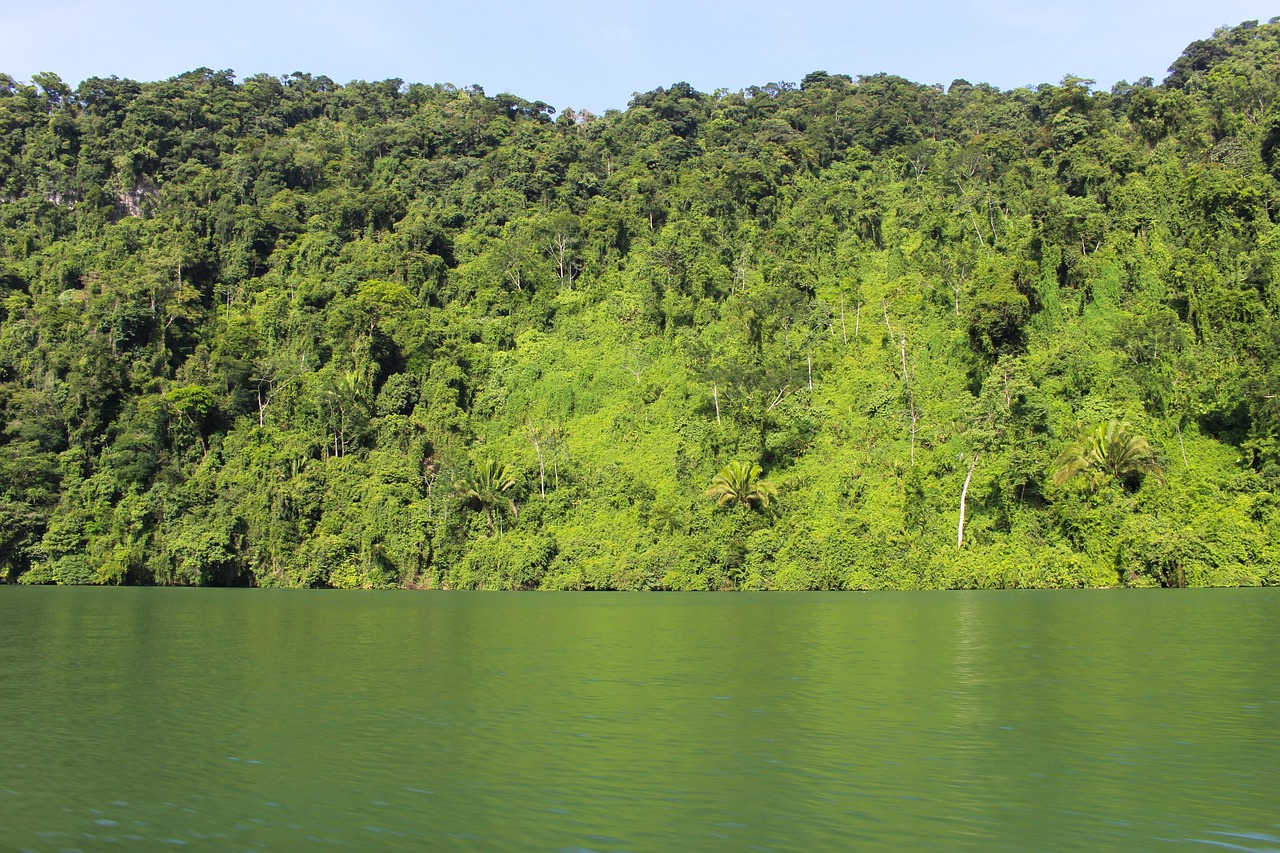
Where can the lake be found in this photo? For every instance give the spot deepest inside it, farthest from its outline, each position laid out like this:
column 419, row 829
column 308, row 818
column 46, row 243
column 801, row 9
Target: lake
column 274, row 720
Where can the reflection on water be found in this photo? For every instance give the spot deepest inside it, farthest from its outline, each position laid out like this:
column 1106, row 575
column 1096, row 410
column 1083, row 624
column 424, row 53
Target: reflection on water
column 247, row 719
column 1254, row 842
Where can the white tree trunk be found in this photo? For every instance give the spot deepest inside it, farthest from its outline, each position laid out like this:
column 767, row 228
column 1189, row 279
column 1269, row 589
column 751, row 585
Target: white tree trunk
column 844, row 330
column 964, row 493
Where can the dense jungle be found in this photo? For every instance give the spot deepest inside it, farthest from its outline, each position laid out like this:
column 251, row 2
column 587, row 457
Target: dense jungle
column 846, row 333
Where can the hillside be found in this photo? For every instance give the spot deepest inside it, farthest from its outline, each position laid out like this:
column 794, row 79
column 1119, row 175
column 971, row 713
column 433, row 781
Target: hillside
column 285, row 332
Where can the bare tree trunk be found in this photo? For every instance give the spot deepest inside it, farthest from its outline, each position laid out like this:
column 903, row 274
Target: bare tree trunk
column 976, row 229
column 905, row 378
column 911, row 400
column 964, row 494
column 844, row 330
column 542, row 468
column 715, row 395
column 536, row 437
column 542, row 472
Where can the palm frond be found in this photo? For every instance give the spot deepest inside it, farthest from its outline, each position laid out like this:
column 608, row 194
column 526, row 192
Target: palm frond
column 1109, row 449
column 740, row 483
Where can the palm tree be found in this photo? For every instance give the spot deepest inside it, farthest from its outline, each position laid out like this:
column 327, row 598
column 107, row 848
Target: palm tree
column 486, row 490
column 740, row 484
column 1105, row 451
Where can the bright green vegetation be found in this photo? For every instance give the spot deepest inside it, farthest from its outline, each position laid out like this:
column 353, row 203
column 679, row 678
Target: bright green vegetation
column 1108, row 450
column 741, row 485
column 290, row 333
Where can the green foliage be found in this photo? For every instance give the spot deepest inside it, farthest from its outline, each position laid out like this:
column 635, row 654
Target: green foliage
column 739, row 484
column 485, row 491
column 1104, row 452
column 255, row 332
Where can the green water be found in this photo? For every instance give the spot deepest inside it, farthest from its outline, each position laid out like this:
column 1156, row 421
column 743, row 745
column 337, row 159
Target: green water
column 258, row 720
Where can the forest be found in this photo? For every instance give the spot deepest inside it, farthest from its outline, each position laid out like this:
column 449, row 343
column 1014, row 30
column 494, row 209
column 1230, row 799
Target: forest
column 847, row 333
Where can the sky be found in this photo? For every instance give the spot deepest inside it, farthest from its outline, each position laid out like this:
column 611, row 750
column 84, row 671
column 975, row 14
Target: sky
column 596, row 55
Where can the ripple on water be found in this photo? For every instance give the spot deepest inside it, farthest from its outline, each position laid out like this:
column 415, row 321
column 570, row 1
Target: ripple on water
column 967, row 722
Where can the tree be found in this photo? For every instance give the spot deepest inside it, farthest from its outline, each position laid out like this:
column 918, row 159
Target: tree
column 486, row 491
column 195, row 404
column 419, row 277
column 740, row 484
column 562, row 242
column 1108, row 450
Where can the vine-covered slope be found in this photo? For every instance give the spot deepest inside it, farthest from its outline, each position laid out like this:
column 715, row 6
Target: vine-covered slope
column 288, row 332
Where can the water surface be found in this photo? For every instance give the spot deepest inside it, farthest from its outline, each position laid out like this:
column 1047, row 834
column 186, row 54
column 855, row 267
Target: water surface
column 264, row 720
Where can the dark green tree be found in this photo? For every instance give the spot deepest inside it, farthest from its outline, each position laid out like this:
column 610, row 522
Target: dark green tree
column 487, row 490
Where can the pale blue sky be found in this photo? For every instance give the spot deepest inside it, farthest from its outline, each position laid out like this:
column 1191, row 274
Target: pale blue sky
column 595, row 55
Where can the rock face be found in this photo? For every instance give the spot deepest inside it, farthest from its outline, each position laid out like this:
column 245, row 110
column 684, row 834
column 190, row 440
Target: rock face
column 133, row 202
column 62, row 199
